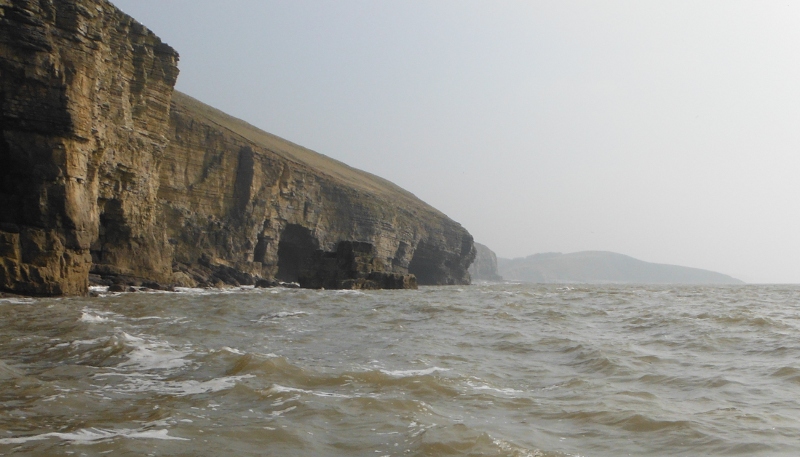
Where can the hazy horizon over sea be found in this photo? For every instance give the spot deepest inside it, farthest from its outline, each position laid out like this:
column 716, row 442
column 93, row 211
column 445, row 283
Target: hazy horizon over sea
column 489, row 369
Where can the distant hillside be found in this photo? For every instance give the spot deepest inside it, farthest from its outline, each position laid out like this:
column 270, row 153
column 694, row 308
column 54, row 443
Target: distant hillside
column 600, row 267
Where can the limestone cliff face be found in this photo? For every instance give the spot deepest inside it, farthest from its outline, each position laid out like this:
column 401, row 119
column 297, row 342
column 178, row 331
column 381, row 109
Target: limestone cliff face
column 84, row 104
column 237, row 196
column 104, row 169
column 485, row 265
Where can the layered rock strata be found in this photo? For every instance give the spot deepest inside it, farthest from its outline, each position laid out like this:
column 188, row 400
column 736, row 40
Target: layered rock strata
column 262, row 205
column 104, row 169
column 84, row 101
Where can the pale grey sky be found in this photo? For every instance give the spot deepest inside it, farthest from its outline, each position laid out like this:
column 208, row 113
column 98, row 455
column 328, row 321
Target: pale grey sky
column 668, row 131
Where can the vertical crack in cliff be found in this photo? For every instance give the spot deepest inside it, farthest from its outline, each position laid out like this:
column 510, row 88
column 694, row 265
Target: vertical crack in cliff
column 244, row 180
column 12, row 183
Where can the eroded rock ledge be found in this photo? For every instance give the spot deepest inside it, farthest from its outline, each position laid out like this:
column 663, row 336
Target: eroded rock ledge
column 104, row 169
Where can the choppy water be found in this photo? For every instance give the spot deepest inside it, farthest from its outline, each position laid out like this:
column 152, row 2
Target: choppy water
column 497, row 370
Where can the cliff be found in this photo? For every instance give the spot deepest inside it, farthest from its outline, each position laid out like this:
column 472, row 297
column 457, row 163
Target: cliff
column 84, row 103
column 105, row 169
column 603, row 267
column 484, row 267
column 238, row 196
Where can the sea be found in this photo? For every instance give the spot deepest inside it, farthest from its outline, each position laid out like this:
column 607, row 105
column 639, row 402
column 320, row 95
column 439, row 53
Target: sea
column 494, row 369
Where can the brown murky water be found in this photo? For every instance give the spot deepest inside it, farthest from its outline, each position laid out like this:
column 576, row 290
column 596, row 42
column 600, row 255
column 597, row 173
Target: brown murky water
column 496, row 370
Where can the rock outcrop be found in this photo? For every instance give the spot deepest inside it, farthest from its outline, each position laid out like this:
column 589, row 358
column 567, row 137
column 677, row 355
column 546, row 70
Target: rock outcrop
column 105, row 169
column 484, row 267
column 84, row 100
column 265, row 206
column 352, row 266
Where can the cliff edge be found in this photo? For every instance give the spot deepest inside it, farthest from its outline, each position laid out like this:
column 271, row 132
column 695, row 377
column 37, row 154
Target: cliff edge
column 105, row 169
column 484, row 267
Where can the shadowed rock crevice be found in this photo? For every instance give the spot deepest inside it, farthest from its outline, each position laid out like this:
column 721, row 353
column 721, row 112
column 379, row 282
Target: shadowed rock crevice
column 435, row 266
column 12, row 184
column 295, row 250
column 244, row 181
column 260, row 251
column 112, row 230
column 353, row 265
column 427, row 266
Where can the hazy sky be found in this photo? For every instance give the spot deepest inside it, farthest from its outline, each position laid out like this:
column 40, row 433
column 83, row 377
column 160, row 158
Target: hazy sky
column 668, row 131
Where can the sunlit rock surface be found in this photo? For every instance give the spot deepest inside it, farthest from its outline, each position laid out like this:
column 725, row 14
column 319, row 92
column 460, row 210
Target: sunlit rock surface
column 84, row 103
column 265, row 206
column 105, row 169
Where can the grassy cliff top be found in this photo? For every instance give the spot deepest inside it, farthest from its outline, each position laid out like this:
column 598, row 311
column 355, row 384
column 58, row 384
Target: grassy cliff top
column 335, row 169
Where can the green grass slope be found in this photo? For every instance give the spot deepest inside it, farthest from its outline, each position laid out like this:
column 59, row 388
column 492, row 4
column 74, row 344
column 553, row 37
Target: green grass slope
column 342, row 172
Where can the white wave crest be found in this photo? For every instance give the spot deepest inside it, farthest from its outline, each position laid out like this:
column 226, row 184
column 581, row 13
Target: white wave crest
column 514, row 450
column 17, row 300
column 348, row 292
column 152, row 355
column 506, row 391
column 280, row 315
column 92, row 319
column 95, row 435
column 193, row 291
column 278, row 389
column 407, row 373
column 138, row 382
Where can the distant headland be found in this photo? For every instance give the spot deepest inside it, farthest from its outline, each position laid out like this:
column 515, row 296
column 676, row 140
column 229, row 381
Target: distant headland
column 602, row 267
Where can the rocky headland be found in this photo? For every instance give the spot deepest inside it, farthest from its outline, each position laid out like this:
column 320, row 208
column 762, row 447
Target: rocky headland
column 107, row 172
column 602, row 267
column 484, row 268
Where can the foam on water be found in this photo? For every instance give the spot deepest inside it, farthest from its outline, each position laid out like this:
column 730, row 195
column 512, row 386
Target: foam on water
column 281, row 315
column 408, row 373
column 153, row 355
column 95, row 435
column 138, row 382
column 483, row 386
column 275, row 388
column 17, row 301
column 91, row 318
column 194, row 291
column 349, row 292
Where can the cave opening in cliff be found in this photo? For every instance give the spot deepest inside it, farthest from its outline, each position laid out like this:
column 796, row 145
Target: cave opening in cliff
column 425, row 265
column 295, row 248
